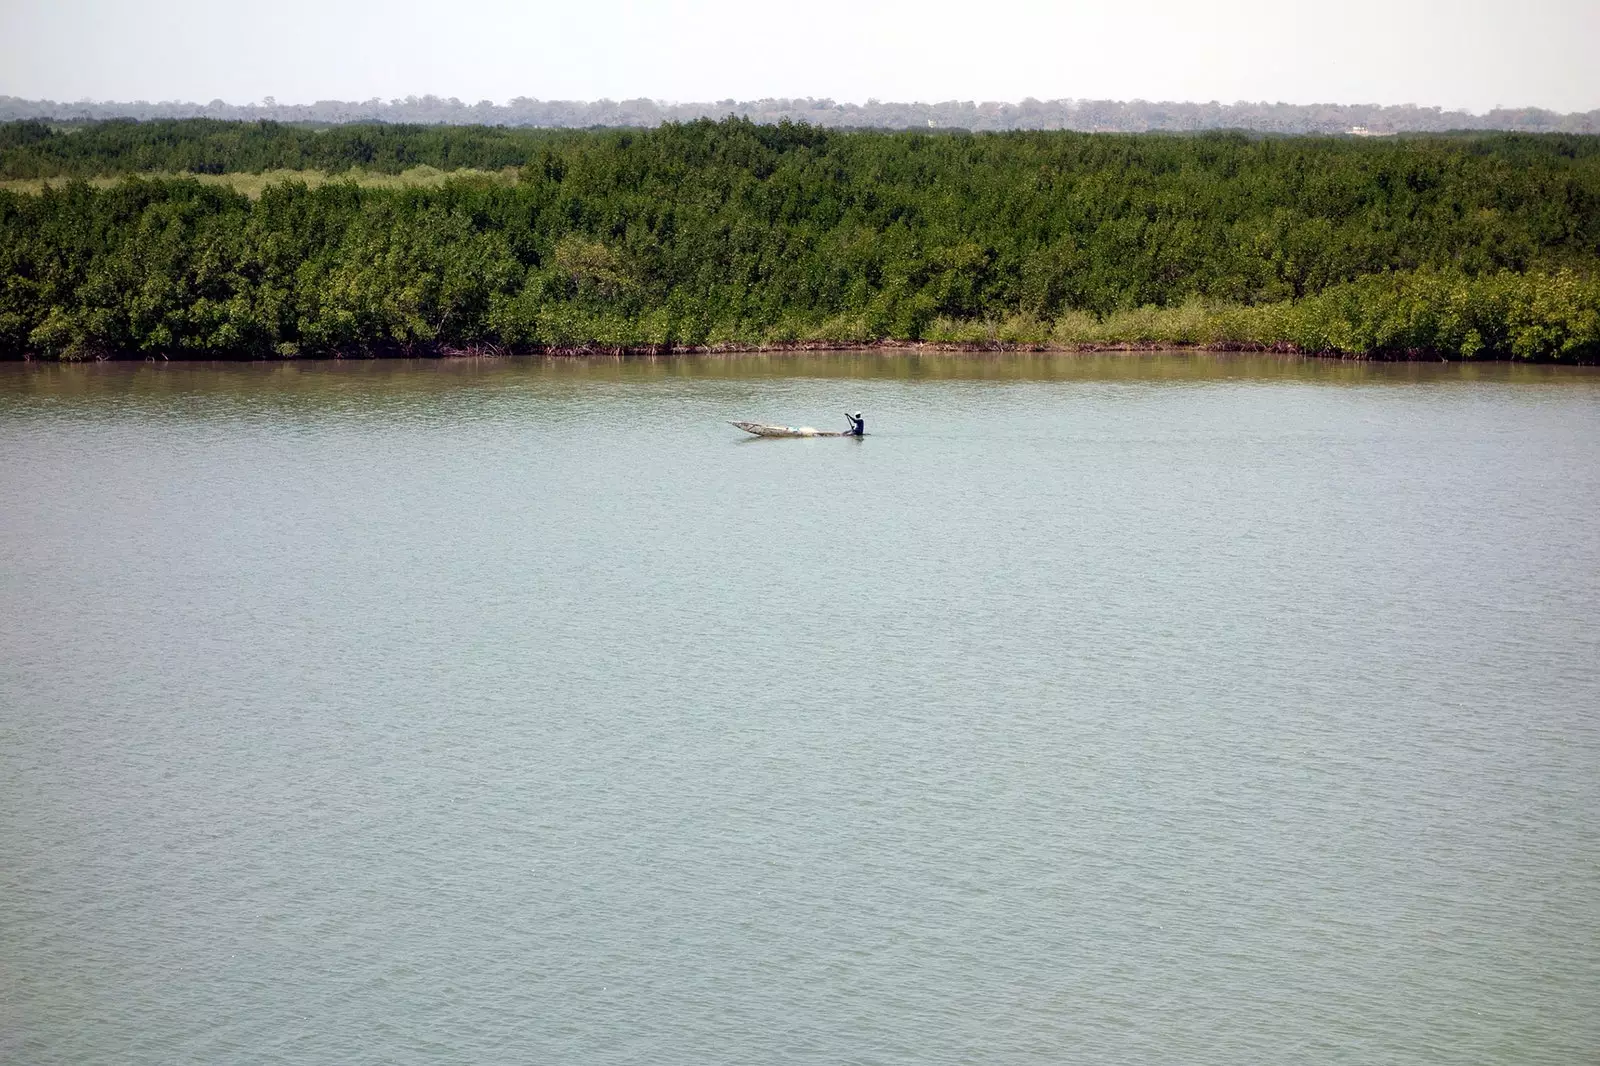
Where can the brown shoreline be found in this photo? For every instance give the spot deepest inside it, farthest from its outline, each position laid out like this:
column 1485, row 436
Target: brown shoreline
column 431, row 351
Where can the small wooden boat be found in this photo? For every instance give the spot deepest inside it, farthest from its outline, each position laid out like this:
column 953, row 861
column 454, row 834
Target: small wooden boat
column 761, row 429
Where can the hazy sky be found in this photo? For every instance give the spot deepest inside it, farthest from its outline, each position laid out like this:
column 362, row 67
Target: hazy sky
column 1455, row 53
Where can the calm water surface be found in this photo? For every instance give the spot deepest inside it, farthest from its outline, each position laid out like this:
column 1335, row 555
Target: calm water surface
column 1166, row 709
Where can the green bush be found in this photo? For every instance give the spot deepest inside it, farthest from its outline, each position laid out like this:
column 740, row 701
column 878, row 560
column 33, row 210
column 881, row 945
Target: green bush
column 735, row 234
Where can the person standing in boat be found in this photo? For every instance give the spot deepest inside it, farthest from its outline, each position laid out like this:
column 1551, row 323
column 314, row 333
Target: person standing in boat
column 858, row 425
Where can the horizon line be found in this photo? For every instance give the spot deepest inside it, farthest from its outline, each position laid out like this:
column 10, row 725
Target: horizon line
column 827, row 103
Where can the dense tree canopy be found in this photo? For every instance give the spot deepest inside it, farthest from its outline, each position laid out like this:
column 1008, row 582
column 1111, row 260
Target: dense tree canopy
column 36, row 149
column 737, row 233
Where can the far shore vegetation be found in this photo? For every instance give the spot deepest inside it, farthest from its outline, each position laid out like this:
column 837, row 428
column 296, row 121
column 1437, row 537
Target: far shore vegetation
column 213, row 239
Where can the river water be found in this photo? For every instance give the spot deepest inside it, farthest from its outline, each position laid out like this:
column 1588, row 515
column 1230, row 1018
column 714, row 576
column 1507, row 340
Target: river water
column 1139, row 708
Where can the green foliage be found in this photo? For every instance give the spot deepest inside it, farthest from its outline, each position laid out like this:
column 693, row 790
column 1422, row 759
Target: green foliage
column 733, row 233
column 1539, row 316
column 33, row 149
column 1521, row 316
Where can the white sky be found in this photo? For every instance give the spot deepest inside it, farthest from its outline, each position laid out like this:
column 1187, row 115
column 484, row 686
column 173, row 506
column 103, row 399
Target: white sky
column 1454, row 53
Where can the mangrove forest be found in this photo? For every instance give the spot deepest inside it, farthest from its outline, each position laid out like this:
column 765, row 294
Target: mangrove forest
column 142, row 239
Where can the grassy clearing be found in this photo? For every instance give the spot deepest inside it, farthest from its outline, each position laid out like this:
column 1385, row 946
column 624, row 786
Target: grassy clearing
column 253, row 184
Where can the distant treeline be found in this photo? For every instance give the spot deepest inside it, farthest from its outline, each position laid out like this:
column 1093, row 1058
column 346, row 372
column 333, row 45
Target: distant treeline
column 32, row 149
column 735, row 233
column 1122, row 116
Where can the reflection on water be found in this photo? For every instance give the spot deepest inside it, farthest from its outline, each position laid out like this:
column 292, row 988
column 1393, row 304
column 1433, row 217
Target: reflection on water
column 308, row 377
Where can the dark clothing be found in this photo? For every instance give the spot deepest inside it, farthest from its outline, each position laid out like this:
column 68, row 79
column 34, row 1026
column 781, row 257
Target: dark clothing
column 858, row 426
